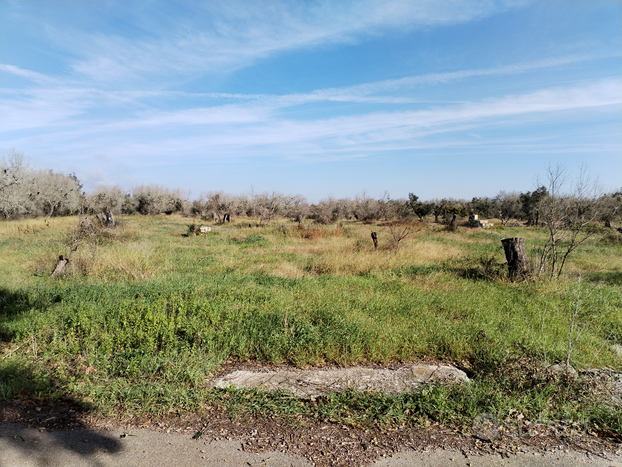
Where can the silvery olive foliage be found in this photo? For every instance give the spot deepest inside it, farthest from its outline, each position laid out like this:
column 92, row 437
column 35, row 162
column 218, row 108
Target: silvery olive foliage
column 102, row 198
column 29, row 192
column 14, row 185
column 56, row 193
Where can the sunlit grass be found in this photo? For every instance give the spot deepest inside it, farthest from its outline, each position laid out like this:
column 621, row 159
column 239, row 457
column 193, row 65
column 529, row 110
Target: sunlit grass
column 144, row 314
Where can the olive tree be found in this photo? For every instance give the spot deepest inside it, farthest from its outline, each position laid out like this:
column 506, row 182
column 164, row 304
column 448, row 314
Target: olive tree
column 365, row 208
column 509, row 206
column 484, row 207
column 610, row 207
column 326, row 211
column 297, row 207
column 15, row 185
column 155, row 199
column 25, row 191
column 271, row 205
column 420, row 208
column 531, row 203
column 452, row 209
column 112, row 198
column 56, row 193
column 437, row 209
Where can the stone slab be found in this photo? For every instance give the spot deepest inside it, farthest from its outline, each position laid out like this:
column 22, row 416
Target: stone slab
column 314, row 382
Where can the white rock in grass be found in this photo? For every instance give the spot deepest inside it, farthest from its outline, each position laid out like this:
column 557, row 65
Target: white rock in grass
column 314, row 382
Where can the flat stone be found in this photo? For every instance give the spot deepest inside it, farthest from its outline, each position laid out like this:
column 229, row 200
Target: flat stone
column 314, row 382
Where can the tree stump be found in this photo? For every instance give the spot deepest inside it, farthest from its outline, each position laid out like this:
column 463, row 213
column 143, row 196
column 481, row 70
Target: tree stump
column 109, row 218
column 518, row 265
column 85, row 224
column 374, row 237
column 60, row 267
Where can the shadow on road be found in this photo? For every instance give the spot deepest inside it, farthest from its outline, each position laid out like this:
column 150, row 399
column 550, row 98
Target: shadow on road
column 34, row 431
column 43, row 434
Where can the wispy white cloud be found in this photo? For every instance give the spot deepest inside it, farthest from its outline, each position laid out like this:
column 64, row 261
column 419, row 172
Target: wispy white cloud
column 56, row 101
column 30, row 75
column 225, row 115
column 222, row 36
column 439, row 78
column 97, row 177
column 116, row 71
column 239, row 131
column 391, row 126
column 385, row 127
column 39, row 109
column 368, row 92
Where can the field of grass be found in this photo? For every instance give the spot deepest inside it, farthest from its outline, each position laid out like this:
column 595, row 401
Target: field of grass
column 145, row 314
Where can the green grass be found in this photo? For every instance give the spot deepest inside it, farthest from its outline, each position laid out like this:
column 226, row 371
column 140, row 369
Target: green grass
column 143, row 318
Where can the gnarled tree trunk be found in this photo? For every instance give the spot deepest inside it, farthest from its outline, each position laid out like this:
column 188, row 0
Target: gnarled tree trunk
column 452, row 222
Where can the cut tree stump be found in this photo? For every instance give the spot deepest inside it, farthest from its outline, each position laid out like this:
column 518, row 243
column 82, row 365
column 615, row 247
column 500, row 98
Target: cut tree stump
column 85, row 224
column 374, row 237
column 60, row 267
column 518, row 265
column 109, row 218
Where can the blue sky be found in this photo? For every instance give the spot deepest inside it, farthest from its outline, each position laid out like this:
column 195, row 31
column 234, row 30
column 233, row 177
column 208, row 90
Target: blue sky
column 440, row 98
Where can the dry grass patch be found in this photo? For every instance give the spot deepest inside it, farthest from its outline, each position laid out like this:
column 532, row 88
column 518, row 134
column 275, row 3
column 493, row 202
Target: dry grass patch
column 338, row 254
column 35, row 226
column 340, row 259
column 425, row 252
column 287, row 270
column 120, row 263
column 313, row 232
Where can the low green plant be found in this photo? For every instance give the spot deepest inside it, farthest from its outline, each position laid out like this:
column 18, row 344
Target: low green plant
column 155, row 314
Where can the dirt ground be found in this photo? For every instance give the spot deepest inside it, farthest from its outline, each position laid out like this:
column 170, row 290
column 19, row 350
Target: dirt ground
column 318, row 442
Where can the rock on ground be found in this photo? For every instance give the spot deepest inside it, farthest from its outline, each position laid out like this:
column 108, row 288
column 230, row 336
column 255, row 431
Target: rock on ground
column 314, row 382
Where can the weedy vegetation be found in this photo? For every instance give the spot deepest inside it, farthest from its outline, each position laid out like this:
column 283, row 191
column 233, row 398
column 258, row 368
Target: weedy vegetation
column 146, row 312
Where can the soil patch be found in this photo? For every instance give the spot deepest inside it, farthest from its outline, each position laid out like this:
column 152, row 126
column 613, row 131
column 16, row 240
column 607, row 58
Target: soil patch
column 322, row 442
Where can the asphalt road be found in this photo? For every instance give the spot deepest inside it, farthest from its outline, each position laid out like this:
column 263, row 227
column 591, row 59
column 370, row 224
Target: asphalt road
column 31, row 447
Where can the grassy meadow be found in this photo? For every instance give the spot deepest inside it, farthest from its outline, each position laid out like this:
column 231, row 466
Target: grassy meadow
column 145, row 314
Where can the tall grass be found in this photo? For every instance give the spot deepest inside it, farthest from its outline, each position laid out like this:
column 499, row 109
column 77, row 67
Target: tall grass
column 139, row 321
